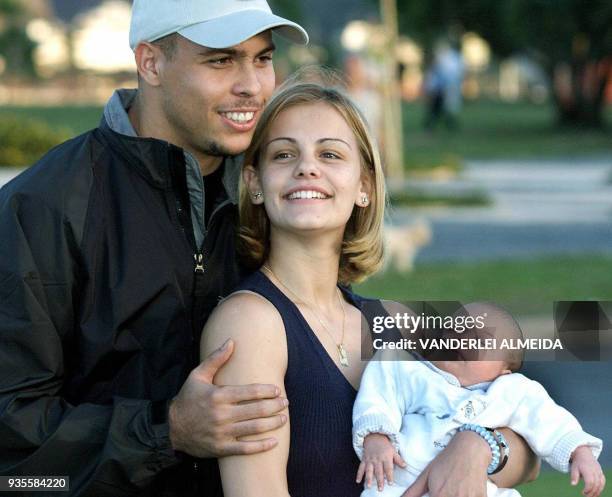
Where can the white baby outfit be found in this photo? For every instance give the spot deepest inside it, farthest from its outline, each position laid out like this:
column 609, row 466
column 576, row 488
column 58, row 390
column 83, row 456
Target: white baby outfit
column 420, row 407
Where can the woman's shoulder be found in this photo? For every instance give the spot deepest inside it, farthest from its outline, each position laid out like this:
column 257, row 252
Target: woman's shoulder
column 244, row 316
column 257, row 330
column 245, row 311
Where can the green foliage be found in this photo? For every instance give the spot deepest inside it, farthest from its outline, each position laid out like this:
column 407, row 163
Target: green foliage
column 10, row 7
column 548, row 26
column 576, row 32
column 289, row 9
column 17, row 49
column 24, row 141
column 15, row 46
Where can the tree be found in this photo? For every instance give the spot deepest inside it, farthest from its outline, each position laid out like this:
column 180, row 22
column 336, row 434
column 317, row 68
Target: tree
column 288, row 9
column 572, row 39
column 15, row 46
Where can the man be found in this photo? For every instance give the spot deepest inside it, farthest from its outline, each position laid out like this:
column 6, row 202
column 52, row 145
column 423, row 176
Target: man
column 115, row 248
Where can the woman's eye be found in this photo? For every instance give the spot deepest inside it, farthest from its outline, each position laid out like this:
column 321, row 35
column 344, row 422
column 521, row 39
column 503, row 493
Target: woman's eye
column 330, row 155
column 283, row 155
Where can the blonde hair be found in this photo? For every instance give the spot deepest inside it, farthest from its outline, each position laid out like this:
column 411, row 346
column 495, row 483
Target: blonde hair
column 362, row 246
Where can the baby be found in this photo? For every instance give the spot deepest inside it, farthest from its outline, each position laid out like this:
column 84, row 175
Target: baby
column 410, row 408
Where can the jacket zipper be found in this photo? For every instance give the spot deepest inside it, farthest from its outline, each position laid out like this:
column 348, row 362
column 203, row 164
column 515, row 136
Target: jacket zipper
column 198, row 258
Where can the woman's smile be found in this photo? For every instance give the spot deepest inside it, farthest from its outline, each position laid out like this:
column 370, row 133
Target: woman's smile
column 307, row 193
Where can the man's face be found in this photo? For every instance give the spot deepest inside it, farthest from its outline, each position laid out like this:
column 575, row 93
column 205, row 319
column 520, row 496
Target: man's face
column 212, row 98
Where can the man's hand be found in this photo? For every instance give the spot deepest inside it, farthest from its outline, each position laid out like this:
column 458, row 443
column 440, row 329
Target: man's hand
column 460, row 470
column 586, row 466
column 207, row 420
column 379, row 456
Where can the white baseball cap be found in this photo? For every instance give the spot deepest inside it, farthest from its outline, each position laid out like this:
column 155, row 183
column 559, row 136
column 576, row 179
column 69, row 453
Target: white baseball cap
column 210, row 23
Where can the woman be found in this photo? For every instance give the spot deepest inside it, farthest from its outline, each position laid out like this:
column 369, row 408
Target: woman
column 312, row 207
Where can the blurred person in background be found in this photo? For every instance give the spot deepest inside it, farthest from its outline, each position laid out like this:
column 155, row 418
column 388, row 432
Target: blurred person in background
column 364, row 92
column 443, row 86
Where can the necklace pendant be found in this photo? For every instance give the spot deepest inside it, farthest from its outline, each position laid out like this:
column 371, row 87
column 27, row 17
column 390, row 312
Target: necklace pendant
column 343, row 356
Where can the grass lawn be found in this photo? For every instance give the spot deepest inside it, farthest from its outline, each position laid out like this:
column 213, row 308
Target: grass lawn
column 499, row 130
column 554, row 484
column 522, row 286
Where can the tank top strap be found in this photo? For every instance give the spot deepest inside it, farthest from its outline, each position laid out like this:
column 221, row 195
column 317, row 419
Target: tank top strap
column 304, row 350
column 258, row 283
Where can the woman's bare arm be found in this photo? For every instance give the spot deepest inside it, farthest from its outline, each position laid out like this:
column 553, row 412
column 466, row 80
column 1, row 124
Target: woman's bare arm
column 260, row 356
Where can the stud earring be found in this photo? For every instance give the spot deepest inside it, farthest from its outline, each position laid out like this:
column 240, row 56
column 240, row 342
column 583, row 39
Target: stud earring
column 364, row 200
column 257, row 195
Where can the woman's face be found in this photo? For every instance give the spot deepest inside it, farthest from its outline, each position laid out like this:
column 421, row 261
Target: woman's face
column 310, row 170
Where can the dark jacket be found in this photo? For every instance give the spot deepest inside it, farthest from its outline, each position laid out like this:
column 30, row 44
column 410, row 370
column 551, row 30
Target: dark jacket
column 101, row 308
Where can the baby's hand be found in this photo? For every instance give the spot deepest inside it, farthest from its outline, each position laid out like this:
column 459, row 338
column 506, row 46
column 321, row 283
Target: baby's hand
column 379, row 455
column 584, row 464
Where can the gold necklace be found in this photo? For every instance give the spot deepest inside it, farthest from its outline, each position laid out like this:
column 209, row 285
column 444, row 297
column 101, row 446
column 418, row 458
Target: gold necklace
column 340, row 346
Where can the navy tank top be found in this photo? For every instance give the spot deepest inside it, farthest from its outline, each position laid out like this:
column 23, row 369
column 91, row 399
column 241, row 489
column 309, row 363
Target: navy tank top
column 322, row 461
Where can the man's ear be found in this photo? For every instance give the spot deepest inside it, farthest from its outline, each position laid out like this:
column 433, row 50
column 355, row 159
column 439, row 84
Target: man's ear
column 251, row 179
column 149, row 62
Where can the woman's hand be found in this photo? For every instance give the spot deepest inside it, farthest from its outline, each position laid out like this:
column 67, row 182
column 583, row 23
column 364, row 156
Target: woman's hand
column 379, row 456
column 460, row 470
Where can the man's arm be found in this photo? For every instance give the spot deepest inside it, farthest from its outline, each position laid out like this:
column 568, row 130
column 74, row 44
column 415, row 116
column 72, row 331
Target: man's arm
column 119, row 446
column 260, row 356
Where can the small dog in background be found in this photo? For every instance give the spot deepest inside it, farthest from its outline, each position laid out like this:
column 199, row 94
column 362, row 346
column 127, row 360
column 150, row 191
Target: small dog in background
column 402, row 244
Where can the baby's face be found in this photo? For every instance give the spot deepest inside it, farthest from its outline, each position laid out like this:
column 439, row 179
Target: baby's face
column 473, row 372
column 487, row 362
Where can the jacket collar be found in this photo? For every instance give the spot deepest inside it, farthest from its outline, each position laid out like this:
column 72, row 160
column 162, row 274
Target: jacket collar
column 116, row 112
column 149, row 151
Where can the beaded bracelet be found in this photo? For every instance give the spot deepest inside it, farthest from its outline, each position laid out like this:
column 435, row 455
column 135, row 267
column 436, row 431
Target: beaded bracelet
column 503, row 446
column 490, row 439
